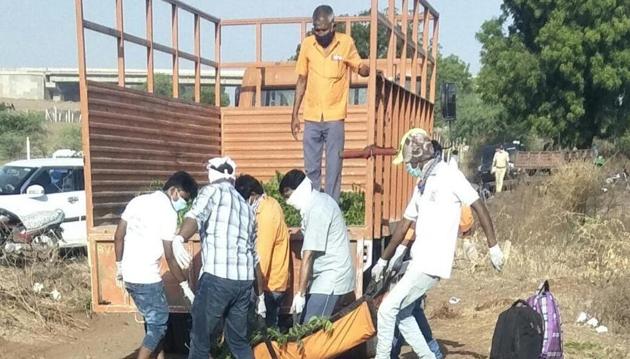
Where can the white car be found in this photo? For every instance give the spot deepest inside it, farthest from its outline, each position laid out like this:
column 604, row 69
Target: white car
column 63, row 184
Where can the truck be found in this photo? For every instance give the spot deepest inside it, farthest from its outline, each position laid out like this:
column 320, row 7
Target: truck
column 132, row 137
column 531, row 162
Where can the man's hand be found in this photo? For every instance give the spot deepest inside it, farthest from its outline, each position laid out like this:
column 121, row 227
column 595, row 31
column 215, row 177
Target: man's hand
column 182, row 256
column 397, row 260
column 377, row 270
column 295, row 125
column 299, row 301
column 496, row 257
column 188, row 293
column 261, row 308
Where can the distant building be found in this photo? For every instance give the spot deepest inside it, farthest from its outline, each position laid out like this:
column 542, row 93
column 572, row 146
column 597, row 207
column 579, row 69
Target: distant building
column 63, row 84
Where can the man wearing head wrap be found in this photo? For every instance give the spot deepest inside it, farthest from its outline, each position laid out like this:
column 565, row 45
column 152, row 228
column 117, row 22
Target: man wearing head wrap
column 435, row 207
column 229, row 262
column 326, row 272
column 323, row 81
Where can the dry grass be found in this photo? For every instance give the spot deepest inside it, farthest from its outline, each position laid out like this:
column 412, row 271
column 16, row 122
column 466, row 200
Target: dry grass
column 27, row 314
column 566, row 229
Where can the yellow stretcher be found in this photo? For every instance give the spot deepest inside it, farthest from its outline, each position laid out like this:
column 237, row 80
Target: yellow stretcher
column 352, row 326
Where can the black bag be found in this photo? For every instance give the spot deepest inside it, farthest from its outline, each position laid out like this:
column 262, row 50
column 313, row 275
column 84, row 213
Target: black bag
column 518, row 333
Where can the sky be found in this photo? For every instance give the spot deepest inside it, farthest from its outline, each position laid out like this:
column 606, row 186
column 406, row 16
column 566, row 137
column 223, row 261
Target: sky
column 41, row 33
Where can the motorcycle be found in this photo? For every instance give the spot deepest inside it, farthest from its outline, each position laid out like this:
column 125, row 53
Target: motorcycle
column 35, row 233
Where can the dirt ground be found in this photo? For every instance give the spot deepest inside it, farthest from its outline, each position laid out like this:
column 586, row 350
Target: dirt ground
column 464, row 330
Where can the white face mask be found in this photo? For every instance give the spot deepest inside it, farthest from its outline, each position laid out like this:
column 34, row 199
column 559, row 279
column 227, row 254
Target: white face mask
column 178, row 204
column 301, row 196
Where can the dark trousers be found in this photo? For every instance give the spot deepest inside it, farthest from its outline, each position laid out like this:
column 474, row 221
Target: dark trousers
column 217, row 299
column 273, row 301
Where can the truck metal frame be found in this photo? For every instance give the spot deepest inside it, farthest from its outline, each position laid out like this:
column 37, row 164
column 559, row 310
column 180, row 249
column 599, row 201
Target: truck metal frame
column 133, row 137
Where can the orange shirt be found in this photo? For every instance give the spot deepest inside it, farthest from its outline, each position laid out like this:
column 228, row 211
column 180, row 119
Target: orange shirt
column 326, row 96
column 272, row 245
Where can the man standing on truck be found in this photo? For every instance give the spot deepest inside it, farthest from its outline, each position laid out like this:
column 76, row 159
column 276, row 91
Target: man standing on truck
column 272, row 244
column 436, row 208
column 500, row 164
column 226, row 225
column 147, row 221
column 326, row 272
column 322, row 69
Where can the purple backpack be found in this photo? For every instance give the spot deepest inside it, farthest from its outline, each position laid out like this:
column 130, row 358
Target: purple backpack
column 545, row 304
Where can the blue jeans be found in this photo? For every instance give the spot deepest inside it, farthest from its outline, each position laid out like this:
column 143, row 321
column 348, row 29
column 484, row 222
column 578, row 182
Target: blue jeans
column 273, row 301
column 425, row 328
column 150, row 300
column 319, row 305
column 218, row 298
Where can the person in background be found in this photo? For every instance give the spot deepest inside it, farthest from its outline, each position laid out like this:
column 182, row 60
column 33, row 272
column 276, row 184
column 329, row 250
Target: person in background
column 326, row 272
column 226, row 225
column 500, row 164
column 435, row 207
column 147, row 221
column 323, row 80
column 272, row 244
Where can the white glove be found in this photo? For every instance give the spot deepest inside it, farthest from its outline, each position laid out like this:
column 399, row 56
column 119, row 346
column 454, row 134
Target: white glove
column 377, row 270
column 188, row 293
column 182, row 256
column 397, row 260
column 262, row 309
column 299, row 301
column 119, row 276
column 496, row 257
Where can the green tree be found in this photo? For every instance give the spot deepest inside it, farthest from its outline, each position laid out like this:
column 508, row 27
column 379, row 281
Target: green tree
column 15, row 126
column 163, row 86
column 560, row 68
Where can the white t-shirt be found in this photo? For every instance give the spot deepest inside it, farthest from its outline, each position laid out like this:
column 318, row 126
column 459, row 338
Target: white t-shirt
column 150, row 219
column 437, row 213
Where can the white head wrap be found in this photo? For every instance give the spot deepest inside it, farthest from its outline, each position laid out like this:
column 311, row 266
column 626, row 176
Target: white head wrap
column 221, row 168
column 301, row 196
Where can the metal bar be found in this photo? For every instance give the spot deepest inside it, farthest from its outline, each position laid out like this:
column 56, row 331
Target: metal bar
column 175, row 35
column 85, row 128
column 403, row 54
column 293, row 20
column 425, row 46
column 150, row 61
column 369, row 186
column 430, row 8
column 348, row 28
column 197, row 94
column 289, row 20
column 396, row 210
column 120, row 43
column 391, row 47
column 434, row 48
column 259, row 88
column 258, row 42
column 396, row 30
column 140, row 41
column 193, row 10
column 302, row 31
column 387, row 189
column 379, row 160
column 217, row 72
column 414, row 62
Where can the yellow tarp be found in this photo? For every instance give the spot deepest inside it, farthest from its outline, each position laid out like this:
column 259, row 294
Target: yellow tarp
column 350, row 330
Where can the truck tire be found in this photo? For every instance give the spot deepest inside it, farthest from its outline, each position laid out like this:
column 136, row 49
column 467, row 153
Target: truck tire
column 177, row 337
